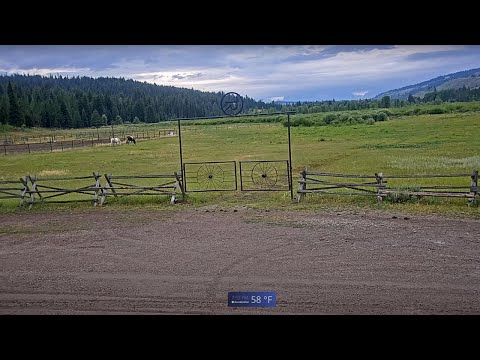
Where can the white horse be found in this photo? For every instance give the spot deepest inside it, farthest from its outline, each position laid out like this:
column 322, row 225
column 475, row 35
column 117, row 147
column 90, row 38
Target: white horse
column 115, row 141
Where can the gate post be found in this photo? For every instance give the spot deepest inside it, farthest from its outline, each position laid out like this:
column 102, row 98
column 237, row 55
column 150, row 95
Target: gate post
column 380, row 185
column 301, row 184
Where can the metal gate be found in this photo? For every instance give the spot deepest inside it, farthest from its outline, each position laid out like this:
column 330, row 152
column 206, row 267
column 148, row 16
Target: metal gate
column 259, row 175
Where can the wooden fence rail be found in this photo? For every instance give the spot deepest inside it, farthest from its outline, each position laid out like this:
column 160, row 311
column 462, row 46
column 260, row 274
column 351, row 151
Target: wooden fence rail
column 329, row 183
column 43, row 190
column 32, row 190
column 125, row 188
column 12, row 189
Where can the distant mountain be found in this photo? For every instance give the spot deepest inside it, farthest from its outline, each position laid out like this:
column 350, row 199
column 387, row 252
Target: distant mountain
column 285, row 102
column 468, row 78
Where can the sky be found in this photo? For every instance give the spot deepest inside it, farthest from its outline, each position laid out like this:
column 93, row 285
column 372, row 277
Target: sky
column 267, row 73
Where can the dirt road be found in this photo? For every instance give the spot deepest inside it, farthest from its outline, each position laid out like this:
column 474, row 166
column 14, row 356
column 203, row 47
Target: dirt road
column 111, row 261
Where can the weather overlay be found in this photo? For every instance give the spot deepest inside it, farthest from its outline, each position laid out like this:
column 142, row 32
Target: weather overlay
column 252, row 299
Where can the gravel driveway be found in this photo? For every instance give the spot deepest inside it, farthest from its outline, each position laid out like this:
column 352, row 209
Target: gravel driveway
column 118, row 261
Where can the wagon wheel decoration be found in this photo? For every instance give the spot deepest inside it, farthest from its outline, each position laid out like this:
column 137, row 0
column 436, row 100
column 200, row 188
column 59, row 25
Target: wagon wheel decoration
column 264, row 175
column 210, row 176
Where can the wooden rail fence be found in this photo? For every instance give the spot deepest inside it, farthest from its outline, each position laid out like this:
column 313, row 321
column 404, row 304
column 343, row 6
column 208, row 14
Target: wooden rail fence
column 169, row 185
column 11, row 189
column 42, row 190
column 376, row 185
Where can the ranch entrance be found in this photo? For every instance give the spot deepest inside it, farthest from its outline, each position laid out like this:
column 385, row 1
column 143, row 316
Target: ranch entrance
column 250, row 175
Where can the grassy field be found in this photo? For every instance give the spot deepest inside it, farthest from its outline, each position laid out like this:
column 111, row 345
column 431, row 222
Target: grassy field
column 424, row 144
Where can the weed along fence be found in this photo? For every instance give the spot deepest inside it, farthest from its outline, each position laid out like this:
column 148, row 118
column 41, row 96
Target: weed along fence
column 37, row 190
column 397, row 188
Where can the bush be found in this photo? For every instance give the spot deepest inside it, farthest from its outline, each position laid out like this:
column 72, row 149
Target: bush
column 300, row 121
column 436, row 110
column 381, row 116
column 402, row 195
column 329, row 118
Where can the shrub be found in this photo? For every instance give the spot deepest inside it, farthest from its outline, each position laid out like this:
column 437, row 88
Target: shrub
column 381, row 116
column 329, row 118
column 300, row 121
column 436, row 110
column 402, row 195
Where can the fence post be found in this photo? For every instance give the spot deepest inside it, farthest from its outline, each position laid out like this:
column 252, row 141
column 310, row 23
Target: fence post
column 25, row 189
column 474, row 186
column 109, row 183
column 96, row 175
column 51, row 149
column 179, row 180
column 5, row 149
column 62, row 145
column 34, row 190
column 301, row 184
column 380, row 185
column 28, row 145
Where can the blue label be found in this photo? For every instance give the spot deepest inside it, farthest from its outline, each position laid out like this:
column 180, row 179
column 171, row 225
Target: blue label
column 252, row 299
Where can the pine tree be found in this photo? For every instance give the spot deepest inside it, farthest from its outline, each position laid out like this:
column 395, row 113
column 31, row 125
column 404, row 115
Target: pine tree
column 96, row 119
column 104, row 120
column 15, row 115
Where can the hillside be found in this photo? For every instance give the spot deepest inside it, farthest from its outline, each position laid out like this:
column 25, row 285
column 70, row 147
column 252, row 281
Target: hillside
column 468, row 78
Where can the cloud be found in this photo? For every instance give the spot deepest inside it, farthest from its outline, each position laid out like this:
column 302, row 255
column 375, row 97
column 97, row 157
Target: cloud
column 275, row 98
column 186, row 76
column 44, row 72
column 299, row 72
column 359, row 93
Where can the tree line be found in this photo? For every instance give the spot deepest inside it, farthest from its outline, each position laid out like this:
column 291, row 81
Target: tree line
column 80, row 102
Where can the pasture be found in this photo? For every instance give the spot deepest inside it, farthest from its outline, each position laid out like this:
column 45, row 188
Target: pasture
column 441, row 144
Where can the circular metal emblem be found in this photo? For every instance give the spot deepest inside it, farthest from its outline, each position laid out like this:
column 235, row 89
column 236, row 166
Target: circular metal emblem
column 232, row 103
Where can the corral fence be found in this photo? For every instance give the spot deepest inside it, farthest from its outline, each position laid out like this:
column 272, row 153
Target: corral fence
column 32, row 189
column 392, row 186
column 16, row 145
column 255, row 175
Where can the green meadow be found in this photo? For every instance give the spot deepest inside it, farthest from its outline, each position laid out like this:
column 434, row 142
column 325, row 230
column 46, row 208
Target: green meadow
column 446, row 143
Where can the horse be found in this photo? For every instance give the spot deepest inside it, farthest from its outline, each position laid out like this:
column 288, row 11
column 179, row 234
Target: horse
column 115, row 141
column 131, row 139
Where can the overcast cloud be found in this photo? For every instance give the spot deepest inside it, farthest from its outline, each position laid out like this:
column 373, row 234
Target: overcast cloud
column 300, row 72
